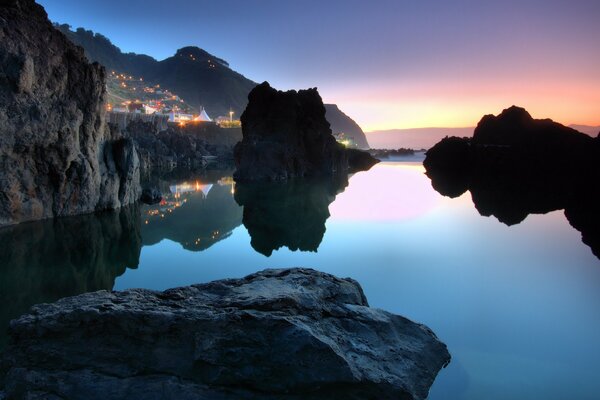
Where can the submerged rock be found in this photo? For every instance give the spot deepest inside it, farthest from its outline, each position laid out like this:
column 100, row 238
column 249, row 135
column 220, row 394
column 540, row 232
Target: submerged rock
column 58, row 156
column 286, row 135
column 276, row 334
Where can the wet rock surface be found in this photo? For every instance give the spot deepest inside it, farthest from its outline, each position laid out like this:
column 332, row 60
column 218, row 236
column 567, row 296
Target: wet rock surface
column 276, row 334
column 286, row 135
column 58, row 156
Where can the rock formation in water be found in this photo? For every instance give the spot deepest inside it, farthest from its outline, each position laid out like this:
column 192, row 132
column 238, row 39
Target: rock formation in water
column 43, row 261
column 341, row 123
column 57, row 155
column 286, row 135
column 276, row 334
column 515, row 166
column 291, row 214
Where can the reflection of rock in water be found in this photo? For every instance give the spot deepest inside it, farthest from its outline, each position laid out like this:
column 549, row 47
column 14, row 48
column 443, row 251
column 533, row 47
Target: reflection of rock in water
column 196, row 215
column 538, row 166
column 46, row 260
column 289, row 214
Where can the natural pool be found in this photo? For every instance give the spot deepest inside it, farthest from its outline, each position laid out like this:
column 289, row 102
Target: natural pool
column 517, row 306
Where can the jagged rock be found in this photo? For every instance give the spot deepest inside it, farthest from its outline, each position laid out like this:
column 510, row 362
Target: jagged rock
column 516, row 165
column 57, row 155
column 286, row 135
column 276, row 334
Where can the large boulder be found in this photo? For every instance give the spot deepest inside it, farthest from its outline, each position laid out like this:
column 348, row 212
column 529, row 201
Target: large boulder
column 286, row 135
column 276, row 334
column 57, row 154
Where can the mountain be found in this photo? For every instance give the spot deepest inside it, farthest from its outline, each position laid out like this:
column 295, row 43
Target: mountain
column 341, row 123
column 592, row 131
column 417, row 138
column 199, row 77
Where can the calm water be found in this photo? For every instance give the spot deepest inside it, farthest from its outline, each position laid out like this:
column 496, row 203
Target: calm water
column 517, row 306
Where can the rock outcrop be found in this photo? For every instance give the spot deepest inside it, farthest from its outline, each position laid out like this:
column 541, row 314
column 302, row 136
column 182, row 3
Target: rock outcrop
column 342, row 123
column 286, row 135
column 57, row 155
column 190, row 146
column 276, row 334
column 515, row 166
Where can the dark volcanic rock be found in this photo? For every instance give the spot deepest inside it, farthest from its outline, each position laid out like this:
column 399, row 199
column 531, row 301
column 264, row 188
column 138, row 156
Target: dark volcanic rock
column 57, row 155
column 286, row 135
column 341, row 123
column 277, row 334
column 291, row 214
column 515, row 166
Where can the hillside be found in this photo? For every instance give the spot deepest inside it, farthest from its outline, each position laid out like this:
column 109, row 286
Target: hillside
column 196, row 77
column 199, row 77
column 341, row 123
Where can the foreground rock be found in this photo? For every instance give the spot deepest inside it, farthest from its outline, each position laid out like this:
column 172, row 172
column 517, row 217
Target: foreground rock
column 286, row 135
column 57, row 155
column 515, row 166
column 277, row 334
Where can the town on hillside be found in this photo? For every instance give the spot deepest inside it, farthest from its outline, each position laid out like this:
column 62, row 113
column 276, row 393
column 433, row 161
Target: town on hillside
column 130, row 98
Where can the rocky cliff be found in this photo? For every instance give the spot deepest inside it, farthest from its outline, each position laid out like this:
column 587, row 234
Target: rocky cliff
column 57, row 155
column 286, row 135
column 276, row 334
column 342, row 123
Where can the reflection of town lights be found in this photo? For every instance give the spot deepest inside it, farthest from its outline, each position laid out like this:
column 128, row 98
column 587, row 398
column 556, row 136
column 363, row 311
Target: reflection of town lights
column 146, row 222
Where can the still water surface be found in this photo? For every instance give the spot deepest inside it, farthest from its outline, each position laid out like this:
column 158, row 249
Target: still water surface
column 517, row 306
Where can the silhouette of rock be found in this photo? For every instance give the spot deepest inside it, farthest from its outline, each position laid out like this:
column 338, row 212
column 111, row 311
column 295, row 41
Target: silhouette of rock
column 44, row 261
column 341, row 123
column 276, row 334
column 197, row 217
column 515, row 166
column 57, row 155
column 291, row 214
column 286, row 135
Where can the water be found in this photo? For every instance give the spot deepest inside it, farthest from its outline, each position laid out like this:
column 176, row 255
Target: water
column 517, row 306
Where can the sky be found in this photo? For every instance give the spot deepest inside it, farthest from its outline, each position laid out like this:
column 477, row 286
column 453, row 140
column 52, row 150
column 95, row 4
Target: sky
column 387, row 63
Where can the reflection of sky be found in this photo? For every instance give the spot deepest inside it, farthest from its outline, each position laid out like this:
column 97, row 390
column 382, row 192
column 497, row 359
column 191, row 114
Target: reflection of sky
column 392, row 202
column 517, row 306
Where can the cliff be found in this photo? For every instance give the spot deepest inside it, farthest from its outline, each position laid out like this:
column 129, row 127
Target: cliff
column 286, row 135
column 57, row 155
column 342, row 123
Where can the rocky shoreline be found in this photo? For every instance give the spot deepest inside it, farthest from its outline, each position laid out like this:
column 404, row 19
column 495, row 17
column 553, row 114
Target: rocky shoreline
column 277, row 334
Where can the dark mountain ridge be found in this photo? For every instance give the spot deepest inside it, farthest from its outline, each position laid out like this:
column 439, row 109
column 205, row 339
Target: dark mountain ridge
column 199, row 77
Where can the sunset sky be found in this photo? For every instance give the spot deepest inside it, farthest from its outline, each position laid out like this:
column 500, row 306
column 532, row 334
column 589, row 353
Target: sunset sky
column 386, row 63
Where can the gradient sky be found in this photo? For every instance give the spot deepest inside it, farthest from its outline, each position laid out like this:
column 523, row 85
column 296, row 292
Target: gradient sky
column 386, row 63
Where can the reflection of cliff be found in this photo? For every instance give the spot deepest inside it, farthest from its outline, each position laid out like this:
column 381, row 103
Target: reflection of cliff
column 46, row 260
column 196, row 215
column 515, row 166
column 289, row 214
